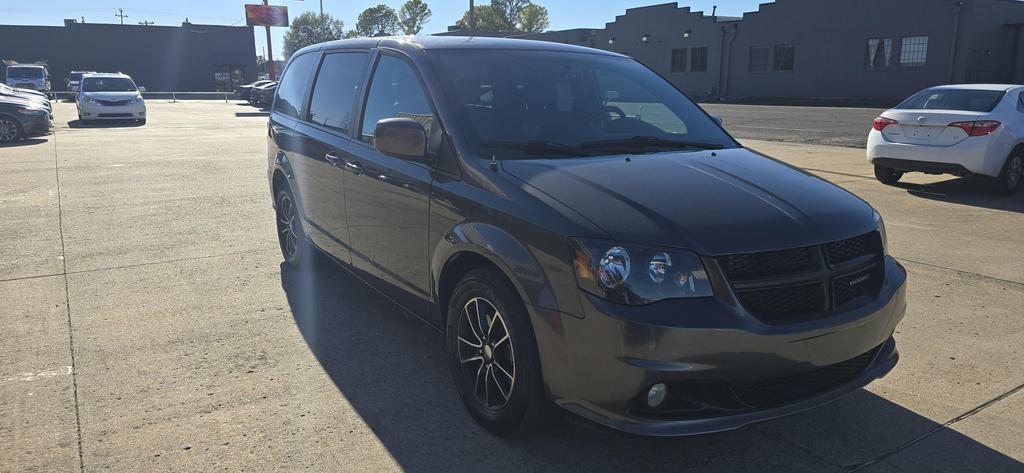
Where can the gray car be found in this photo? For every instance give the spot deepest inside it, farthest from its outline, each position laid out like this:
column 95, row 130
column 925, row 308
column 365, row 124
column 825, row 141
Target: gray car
column 22, row 118
column 587, row 238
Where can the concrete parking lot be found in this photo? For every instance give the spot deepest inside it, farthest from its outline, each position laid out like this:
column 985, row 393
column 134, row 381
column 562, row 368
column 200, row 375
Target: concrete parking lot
column 146, row 325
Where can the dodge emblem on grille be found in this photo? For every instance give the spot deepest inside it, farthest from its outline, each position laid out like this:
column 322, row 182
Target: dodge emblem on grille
column 860, row 279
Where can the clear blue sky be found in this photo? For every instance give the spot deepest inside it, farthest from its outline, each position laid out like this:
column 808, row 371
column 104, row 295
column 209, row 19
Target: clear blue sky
column 563, row 13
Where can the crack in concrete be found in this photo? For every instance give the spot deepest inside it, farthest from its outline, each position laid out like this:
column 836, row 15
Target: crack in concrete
column 1008, row 281
column 855, row 467
column 67, row 306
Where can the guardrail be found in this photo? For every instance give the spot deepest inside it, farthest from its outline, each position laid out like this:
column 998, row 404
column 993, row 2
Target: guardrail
column 171, row 96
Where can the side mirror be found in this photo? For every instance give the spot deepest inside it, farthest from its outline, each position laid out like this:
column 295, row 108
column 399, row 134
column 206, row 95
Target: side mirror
column 717, row 119
column 142, row 89
column 401, row 137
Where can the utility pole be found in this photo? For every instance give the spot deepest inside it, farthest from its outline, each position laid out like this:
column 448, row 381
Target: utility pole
column 270, row 50
column 321, row 8
column 147, row 23
column 472, row 17
column 120, row 14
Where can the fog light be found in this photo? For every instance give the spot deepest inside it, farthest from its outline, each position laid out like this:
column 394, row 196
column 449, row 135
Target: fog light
column 656, row 395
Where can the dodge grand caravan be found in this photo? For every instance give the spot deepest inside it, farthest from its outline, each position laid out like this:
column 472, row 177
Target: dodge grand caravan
column 586, row 236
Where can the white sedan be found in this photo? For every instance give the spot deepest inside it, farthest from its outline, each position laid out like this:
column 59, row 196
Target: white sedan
column 953, row 129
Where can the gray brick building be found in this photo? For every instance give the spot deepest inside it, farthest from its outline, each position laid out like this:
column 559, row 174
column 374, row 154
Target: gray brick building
column 879, row 50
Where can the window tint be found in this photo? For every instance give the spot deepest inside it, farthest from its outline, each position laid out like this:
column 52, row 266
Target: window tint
column 292, row 90
column 879, row 53
column 679, row 60
column 914, row 51
column 784, row 55
column 953, row 99
column 699, row 60
column 395, row 93
column 760, row 58
column 335, row 89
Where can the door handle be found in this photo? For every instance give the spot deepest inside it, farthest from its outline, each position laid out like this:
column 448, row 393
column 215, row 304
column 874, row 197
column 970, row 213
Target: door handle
column 332, row 158
column 276, row 130
column 354, row 167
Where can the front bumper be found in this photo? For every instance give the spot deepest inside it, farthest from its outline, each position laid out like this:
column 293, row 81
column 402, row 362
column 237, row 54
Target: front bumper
column 36, row 125
column 92, row 111
column 708, row 351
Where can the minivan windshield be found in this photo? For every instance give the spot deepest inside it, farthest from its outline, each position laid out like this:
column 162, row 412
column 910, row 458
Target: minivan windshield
column 530, row 104
column 108, row 84
column 967, row 100
column 15, row 72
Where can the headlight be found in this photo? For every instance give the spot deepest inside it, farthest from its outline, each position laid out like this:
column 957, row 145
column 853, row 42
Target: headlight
column 881, row 232
column 32, row 111
column 637, row 275
column 136, row 99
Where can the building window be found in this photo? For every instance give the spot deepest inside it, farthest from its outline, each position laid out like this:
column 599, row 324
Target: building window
column 879, row 53
column 679, row 60
column 913, row 51
column 784, row 55
column 760, row 58
column 699, row 59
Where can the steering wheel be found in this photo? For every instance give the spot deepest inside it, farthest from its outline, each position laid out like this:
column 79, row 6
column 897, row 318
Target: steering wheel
column 616, row 110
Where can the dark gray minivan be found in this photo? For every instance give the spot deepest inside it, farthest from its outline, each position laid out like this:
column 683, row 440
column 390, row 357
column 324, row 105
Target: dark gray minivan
column 584, row 234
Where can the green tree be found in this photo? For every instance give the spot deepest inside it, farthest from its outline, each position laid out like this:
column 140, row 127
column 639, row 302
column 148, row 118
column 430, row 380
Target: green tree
column 380, row 20
column 311, row 28
column 486, row 20
column 507, row 16
column 413, row 15
column 533, row 19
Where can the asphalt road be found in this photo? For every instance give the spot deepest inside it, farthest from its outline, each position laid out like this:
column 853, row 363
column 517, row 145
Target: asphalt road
column 834, row 126
column 146, row 324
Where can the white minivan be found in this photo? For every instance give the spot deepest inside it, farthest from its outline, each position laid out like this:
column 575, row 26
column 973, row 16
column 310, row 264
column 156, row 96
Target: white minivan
column 110, row 96
column 28, row 76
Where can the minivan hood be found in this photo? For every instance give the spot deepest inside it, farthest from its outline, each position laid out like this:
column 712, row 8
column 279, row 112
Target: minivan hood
column 714, row 202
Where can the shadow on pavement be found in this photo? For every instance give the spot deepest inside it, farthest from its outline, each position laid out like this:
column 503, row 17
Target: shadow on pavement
column 252, row 114
column 975, row 191
column 24, row 142
column 392, row 370
column 105, row 124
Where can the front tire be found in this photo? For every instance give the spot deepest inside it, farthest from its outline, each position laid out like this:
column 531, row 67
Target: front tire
column 295, row 248
column 1011, row 177
column 493, row 354
column 10, row 130
column 887, row 175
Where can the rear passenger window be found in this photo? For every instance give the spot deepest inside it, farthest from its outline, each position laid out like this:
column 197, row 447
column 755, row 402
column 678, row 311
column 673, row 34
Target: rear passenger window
column 292, row 89
column 336, row 88
column 395, row 93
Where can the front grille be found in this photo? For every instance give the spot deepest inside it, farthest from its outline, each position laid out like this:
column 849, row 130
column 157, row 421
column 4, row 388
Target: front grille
column 790, row 285
column 112, row 103
column 775, row 304
column 845, row 250
column 752, row 265
column 115, row 115
column 778, row 391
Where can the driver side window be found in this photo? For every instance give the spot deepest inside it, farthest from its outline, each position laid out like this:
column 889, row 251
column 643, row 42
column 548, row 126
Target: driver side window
column 395, row 93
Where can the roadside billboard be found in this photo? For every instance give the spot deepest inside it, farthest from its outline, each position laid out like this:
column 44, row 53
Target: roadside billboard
column 266, row 15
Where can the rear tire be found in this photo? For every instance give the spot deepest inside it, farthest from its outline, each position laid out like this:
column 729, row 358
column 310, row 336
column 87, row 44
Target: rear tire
column 887, row 175
column 295, row 248
column 1012, row 176
column 493, row 355
column 10, row 130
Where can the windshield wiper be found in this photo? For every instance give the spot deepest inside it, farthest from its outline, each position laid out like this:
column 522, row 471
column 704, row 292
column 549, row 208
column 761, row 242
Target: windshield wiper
column 642, row 142
column 537, row 147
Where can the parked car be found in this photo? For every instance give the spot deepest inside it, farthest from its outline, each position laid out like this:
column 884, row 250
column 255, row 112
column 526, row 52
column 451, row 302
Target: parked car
column 582, row 232
column 28, row 76
column 22, row 118
column 243, row 91
column 7, row 91
column 74, row 79
column 971, row 129
column 110, row 96
column 263, row 95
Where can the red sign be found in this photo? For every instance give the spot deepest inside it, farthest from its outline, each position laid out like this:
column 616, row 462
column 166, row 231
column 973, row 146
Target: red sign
column 266, row 15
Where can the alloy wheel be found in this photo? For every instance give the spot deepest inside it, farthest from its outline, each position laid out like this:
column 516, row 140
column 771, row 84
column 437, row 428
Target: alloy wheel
column 8, row 130
column 1014, row 172
column 286, row 226
column 486, row 354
